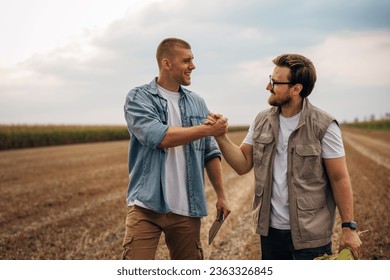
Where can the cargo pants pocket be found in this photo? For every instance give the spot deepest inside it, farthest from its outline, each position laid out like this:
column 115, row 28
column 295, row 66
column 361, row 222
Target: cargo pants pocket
column 200, row 251
column 127, row 253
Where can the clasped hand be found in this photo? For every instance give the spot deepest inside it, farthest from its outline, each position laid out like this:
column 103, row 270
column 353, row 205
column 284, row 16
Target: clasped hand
column 218, row 122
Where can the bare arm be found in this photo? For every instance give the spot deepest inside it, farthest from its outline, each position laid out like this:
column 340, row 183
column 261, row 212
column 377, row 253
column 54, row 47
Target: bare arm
column 240, row 158
column 177, row 136
column 342, row 192
column 214, row 171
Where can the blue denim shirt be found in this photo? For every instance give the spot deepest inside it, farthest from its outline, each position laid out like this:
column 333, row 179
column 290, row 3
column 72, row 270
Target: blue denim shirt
column 146, row 116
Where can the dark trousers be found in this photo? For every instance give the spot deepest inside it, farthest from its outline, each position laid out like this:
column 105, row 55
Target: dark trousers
column 278, row 246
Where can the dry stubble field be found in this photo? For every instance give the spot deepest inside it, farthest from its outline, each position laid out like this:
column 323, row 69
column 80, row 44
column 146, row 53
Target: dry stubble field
column 68, row 202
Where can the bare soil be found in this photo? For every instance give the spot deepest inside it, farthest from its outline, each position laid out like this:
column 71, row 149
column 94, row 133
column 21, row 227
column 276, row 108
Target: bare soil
column 68, row 202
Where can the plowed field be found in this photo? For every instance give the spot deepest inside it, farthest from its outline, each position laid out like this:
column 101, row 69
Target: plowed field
column 68, row 202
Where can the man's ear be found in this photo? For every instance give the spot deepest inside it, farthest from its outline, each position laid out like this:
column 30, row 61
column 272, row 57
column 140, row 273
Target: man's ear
column 166, row 64
column 296, row 89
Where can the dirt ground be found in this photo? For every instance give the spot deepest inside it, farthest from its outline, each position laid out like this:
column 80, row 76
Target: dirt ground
column 68, row 202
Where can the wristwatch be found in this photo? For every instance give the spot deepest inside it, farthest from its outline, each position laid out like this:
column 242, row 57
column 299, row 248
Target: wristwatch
column 352, row 225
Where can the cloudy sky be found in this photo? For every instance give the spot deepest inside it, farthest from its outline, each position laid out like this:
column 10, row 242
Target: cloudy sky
column 73, row 61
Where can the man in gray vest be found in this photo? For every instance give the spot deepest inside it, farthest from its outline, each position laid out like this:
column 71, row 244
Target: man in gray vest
column 300, row 170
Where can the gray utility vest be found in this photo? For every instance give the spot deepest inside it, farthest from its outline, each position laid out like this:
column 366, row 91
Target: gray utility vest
column 312, row 206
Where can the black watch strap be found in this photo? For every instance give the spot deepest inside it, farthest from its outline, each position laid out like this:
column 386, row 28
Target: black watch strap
column 352, row 225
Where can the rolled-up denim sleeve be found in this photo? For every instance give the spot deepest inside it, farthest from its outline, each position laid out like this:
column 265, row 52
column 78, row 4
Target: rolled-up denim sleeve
column 143, row 119
column 212, row 149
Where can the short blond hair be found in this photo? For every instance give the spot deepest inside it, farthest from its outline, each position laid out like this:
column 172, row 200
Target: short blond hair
column 166, row 47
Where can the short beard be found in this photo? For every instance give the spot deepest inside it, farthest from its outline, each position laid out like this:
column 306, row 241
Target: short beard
column 280, row 103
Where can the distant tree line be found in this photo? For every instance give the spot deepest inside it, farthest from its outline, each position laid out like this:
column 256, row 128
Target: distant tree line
column 373, row 118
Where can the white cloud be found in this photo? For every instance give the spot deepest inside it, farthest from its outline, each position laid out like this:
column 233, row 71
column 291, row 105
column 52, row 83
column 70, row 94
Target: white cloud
column 359, row 58
column 36, row 27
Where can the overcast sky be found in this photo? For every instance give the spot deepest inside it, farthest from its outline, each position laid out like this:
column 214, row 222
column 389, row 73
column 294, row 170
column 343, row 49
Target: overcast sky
column 73, row 61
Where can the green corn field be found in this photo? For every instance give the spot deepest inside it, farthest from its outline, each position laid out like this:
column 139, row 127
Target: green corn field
column 29, row 136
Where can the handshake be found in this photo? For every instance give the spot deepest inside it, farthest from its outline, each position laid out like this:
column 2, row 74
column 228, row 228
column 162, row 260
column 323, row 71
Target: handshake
column 217, row 123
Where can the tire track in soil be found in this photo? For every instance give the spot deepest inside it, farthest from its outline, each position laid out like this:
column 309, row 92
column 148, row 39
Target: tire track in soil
column 368, row 155
column 377, row 150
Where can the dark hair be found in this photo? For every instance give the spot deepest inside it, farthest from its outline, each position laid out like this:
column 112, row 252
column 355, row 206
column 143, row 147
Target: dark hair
column 302, row 71
column 166, row 47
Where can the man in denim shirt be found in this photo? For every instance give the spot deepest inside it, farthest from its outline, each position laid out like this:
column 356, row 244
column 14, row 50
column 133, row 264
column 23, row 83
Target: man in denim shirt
column 169, row 148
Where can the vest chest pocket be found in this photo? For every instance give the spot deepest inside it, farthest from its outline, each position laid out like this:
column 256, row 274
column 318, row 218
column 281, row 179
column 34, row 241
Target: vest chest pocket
column 262, row 148
column 307, row 161
column 308, row 150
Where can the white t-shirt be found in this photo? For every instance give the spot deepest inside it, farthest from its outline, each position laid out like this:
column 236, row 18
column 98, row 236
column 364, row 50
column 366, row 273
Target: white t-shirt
column 175, row 192
column 331, row 145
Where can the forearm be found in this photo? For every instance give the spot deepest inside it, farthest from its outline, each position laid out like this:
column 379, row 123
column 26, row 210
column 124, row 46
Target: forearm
column 214, row 172
column 177, row 136
column 337, row 171
column 239, row 158
column 341, row 187
column 342, row 193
